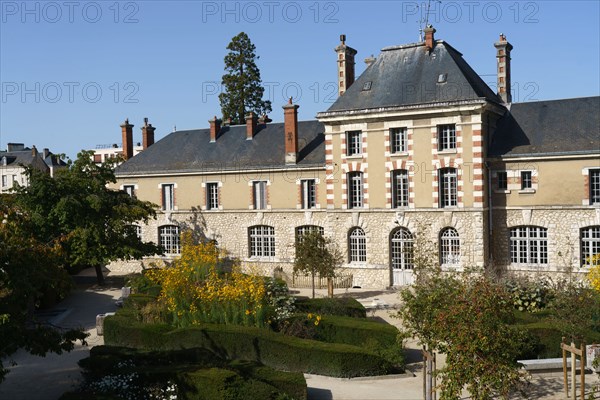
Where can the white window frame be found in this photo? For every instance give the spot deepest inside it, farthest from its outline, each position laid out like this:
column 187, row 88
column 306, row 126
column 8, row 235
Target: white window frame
column 526, row 180
column 446, row 137
column 357, row 245
column 308, row 190
column 594, row 184
column 259, row 195
column 355, row 187
column 212, row 195
column 304, row 229
column 448, row 187
column 528, row 245
column 168, row 196
column 168, row 237
column 400, row 188
column 402, row 249
column 590, row 244
column 449, row 247
column 261, row 241
column 398, row 140
column 130, row 190
column 353, row 143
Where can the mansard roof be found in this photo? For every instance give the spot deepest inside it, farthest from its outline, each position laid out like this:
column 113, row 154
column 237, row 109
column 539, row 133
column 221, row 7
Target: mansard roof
column 191, row 150
column 409, row 75
column 23, row 157
column 549, row 127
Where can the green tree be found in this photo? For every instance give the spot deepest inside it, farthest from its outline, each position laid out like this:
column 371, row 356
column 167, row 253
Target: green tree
column 94, row 224
column 317, row 255
column 30, row 268
column 468, row 317
column 243, row 87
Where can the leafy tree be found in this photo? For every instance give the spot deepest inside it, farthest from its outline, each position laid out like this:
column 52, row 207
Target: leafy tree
column 243, row 89
column 317, row 255
column 575, row 310
column 93, row 224
column 29, row 269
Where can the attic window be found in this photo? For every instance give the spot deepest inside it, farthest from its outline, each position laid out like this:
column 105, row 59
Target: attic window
column 442, row 78
column 367, row 86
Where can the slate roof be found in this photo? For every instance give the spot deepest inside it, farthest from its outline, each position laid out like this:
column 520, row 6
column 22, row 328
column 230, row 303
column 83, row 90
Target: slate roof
column 408, row 75
column 549, row 127
column 191, row 150
column 24, row 157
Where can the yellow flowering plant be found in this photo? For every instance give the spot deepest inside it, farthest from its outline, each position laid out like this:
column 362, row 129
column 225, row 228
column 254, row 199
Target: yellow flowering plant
column 593, row 275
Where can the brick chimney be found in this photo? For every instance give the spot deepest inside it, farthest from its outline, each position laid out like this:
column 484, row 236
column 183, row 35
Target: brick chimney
column 46, row 153
column 345, row 61
column 147, row 134
column 34, row 151
column 127, row 131
column 250, row 125
column 503, row 49
column 290, row 129
column 429, row 38
column 215, row 127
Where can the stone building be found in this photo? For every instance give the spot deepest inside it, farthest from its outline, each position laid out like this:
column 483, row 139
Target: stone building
column 418, row 146
column 17, row 157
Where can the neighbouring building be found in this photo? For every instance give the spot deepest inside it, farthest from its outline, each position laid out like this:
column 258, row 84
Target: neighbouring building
column 103, row 152
column 418, row 146
column 17, row 157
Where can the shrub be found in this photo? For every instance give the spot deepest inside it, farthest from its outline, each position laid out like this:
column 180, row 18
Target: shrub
column 249, row 343
column 342, row 306
column 528, row 295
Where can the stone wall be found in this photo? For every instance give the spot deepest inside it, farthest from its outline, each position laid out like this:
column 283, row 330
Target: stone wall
column 230, row 230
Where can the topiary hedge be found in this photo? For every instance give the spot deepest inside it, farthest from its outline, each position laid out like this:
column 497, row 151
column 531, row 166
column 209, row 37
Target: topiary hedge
column 341, row 306
column 248, row 343
column 355, row 331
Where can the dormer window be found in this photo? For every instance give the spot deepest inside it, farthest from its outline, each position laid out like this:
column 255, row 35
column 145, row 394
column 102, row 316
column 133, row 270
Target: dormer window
column 367, row 86
column 442, row 78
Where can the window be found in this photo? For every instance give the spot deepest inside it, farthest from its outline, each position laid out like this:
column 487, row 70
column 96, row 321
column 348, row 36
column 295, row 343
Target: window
column 398, row 140
column 4, row 180
column 502, row 180
column 305, row 229
column 448, row 187
column 168, row 236
column 401, row 246
column 446, row 137
column 212, row 196
column 168, row 197
column 357, row 245
column 309, row 193
column 355, row 190
column 259, row 192
column 595, row 186
column 590, row 245
column 353, row 143
column 526, row 180
column 529, row 245
column 129, row 189
column 400, row 188
column 97, row 158
column 449, row 247
column 262, row 241
column 134, row 230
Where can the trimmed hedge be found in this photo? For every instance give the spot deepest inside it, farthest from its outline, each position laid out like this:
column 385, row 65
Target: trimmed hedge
column 355, row 331
column 197, row 373
column 341, row 306
column 248, row 343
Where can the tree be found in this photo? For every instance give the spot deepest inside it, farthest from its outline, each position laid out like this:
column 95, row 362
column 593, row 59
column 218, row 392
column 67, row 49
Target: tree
column 317, row 255
column 243, row 89
column 93, row 224
column 29, row 268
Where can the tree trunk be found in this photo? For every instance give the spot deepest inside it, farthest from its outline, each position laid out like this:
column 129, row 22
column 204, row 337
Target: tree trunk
column 330, row 287
column 313, row 285
column 99, row 275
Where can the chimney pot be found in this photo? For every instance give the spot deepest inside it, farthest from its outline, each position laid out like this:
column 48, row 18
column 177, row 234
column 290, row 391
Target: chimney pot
column 215, row 127
column 429, row 38
column 290, row 130
column 250, row 125
column 345, row 61
column 127, row 134
column 503, row 49
column 147, row 134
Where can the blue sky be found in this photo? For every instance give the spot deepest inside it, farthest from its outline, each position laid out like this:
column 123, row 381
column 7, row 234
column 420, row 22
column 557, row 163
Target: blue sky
column 72, row 71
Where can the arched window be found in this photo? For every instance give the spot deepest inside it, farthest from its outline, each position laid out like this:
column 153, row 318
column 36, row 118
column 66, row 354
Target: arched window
column 529, row 245
column 590, row 245
column 357, row 245
column 304, row 229
column 168, row 236
column 261, row 241
column 449, row 247
column 401, row 249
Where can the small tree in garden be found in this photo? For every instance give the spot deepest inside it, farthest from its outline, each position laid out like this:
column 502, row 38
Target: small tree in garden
column 317, row 255
column 576, row 310
column 467, row 317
